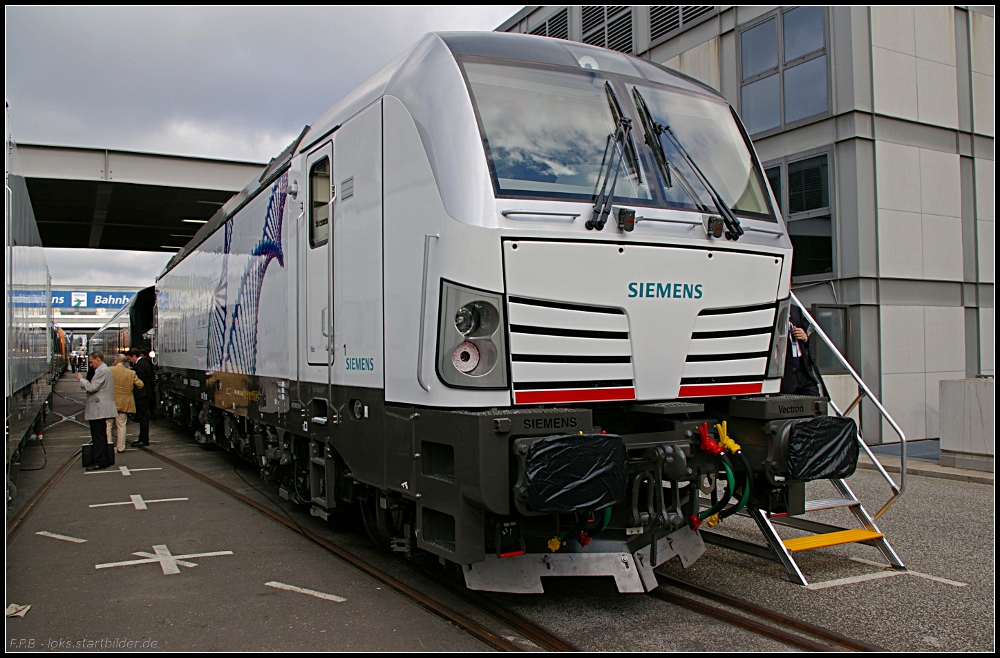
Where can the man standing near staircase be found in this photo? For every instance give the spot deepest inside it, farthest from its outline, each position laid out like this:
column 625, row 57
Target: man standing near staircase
column 801, row 376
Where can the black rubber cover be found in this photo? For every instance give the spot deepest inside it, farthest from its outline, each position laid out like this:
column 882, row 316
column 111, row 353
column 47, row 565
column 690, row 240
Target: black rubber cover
column 822, row 448
column 576, row 472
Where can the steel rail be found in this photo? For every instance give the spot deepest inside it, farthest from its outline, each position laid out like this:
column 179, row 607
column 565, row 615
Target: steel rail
column 15, row 523
column 543, row 638
column 471, row 627
column 784, row 622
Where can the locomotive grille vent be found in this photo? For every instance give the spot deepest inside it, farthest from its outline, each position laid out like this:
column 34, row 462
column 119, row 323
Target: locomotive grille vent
column 556, row 345
column 730, row 345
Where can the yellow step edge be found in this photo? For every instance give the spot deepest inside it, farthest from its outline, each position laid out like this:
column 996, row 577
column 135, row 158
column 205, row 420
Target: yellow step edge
column 829, row 539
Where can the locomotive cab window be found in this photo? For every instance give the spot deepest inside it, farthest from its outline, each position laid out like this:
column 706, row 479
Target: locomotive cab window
column 319, row 203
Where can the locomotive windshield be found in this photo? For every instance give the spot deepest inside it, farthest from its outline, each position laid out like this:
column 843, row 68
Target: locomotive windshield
column 547, row 133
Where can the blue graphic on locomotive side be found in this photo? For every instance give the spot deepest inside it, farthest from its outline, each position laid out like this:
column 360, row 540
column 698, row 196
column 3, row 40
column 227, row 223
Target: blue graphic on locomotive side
column 233, row 332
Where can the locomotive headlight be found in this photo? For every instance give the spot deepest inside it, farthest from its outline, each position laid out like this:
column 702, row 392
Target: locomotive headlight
column 479, row 318
column 471, row 338
column 779, row 344
column 466, row 320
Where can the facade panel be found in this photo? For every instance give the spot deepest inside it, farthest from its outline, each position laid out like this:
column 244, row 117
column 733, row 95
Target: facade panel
column 890, row 113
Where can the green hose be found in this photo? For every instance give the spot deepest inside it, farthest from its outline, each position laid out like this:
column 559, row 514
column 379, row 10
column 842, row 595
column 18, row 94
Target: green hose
column 725, row 514
column 607, row 519
column 746, row 495
column 730, row 487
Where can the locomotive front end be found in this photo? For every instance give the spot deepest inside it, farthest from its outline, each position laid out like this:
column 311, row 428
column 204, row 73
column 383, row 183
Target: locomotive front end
column 645, row 289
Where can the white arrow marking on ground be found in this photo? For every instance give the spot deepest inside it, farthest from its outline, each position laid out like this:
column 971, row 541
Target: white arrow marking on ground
column 161, row 554
column 124, row 470
column 301, row 590
column 138, row 502
column 46, row 533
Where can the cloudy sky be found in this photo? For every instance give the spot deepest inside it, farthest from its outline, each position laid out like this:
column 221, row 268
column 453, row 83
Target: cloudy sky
column 234, row 83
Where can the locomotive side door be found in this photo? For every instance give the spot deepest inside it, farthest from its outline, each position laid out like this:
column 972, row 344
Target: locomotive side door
column 319, row 219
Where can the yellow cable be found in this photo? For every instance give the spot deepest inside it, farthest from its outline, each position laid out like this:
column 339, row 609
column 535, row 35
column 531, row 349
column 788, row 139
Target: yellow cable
column 555, row 544
column 713, row 520
column 725, row 441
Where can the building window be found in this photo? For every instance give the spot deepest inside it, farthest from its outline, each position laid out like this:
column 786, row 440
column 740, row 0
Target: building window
column 608, row 27
column 802, row 189
column 783, row 70
column 556, row 27
column 664, row 20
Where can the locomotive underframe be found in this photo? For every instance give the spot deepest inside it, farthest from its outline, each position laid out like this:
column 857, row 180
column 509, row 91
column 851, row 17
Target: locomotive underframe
column 451, row 482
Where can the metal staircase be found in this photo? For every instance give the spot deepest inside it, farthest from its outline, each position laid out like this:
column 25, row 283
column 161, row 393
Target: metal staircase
column 823, row 535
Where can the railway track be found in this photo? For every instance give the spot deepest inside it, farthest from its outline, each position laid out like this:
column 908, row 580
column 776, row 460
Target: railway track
column 533, row 634
column 756, row 619
column 14, row 524
column 724, row 607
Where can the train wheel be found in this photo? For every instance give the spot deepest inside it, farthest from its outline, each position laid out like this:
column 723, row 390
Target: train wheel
column 381, row 522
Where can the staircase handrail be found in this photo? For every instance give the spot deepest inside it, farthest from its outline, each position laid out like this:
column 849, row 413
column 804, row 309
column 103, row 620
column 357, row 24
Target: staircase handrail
column 899, row 489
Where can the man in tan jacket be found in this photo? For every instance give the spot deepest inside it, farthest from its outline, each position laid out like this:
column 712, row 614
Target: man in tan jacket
column 125, row 380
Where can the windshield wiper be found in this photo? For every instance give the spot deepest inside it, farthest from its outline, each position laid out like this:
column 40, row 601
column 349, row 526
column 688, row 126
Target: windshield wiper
column 733, row 228
column 618, row 144
column 653, row 131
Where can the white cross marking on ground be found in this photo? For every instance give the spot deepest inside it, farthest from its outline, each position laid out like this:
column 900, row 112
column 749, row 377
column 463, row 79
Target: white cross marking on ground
column 910, row 572
column 138, row 502
column 71, row 419
column 886, row 573
column 301, row 590
column 161, row 554
column 75, row 540
column 124, row 470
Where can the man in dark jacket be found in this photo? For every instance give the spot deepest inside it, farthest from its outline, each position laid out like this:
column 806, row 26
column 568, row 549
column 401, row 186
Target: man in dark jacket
column 145, row 397
column 800, row 371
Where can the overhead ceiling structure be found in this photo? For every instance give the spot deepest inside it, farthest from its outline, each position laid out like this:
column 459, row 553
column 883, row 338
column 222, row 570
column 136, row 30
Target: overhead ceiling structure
column 106, row 199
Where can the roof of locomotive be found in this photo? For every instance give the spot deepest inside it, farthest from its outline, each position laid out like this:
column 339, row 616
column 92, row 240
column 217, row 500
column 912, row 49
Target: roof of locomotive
column 416, row 73
column 496, row 45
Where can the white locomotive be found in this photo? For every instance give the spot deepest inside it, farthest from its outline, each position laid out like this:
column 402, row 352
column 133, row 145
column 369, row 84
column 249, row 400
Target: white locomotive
column 501, row 294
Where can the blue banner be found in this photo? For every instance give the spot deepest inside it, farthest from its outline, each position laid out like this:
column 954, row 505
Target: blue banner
column 90, row 299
